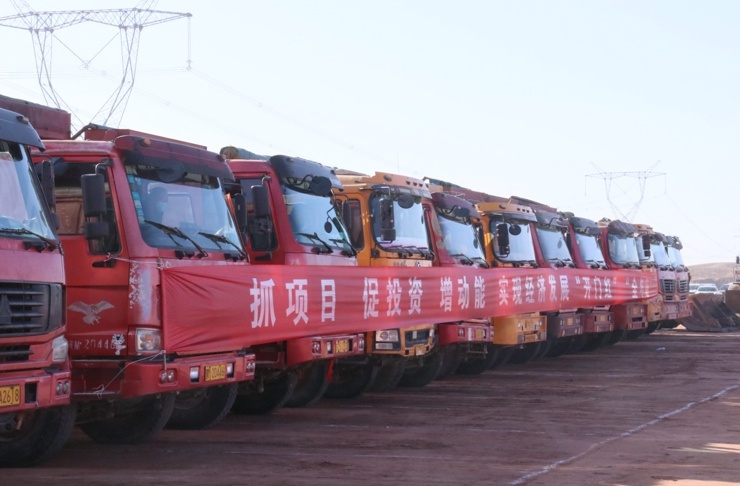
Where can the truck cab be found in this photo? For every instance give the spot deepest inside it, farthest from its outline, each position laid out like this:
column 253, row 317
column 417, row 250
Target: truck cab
column 652, row 251
column 36, row 415
column 291, row 220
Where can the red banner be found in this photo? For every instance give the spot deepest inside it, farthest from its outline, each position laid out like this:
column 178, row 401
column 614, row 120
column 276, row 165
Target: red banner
column 209, row 309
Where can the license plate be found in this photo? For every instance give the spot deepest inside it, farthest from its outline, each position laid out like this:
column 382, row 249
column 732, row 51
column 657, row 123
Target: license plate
column 480, row 334
column 10, row 395
column 419, row 351
column 341, row 345
column 215, row 372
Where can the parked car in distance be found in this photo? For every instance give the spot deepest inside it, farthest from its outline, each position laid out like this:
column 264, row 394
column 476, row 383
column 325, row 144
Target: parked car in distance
column 707, row 289
column 693, row 287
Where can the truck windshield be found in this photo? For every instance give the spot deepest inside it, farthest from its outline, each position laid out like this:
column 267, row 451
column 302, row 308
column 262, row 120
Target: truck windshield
column 660, row 255
column 21, row 212
column 590, row 250
column 188, row 214
column 315, row 220
column 554, row 246
column 623, row 250
column 674, row 254
column 409, row 223
column 461, row 240
column 521, row 247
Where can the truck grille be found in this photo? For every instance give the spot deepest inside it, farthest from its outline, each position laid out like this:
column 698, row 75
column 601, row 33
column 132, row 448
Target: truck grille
column 417, row 337
column 14, row 354
column 683, row 286
column 24, row 308
column 667, row 286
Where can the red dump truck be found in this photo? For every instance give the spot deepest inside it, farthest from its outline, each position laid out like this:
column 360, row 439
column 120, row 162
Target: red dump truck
column 36, row 417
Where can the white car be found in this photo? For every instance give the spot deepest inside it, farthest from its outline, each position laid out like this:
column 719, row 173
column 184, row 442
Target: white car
column 707, row 289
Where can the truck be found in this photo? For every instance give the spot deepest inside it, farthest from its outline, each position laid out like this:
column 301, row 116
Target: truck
column 291, row 220
column 36, row 414
column 134, row 207
column 619, row 246
column 388, row 227
column 652, row 252
column 457, row 240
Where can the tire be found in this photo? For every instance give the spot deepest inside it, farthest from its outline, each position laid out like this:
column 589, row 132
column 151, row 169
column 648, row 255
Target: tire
column 527, row 352
column 202, row 408
column 421, row 376
column 476, row 364
column 351, row 380
column 503, row 356
column 312, row 382
column 42, row 434
column 452, row 356
column 596, row 341
column 389, row 375
column 653, row 326
column 615, row 337
column 133, row 426
column 558, row 347
column 265, row 395
column 632, row 335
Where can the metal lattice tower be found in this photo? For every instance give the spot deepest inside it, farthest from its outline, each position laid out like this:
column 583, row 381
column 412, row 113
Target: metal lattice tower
column 129, row 22
column 641, row 176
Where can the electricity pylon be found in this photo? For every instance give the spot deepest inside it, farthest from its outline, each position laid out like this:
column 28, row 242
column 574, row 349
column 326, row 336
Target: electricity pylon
column 129, row 22
column 641, row 176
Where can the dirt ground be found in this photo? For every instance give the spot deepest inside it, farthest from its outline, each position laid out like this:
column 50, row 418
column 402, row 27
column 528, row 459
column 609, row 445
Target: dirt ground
column 664, row 409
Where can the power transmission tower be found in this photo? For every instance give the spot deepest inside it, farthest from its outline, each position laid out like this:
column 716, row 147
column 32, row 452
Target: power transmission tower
column 641, row 176
column 129, row 22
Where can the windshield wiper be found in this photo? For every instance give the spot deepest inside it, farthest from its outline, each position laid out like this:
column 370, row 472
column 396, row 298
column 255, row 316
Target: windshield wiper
column 481, row 261
column 464, row 259
column 222, row 239
column 350, row 252
column 49, row 243
column 315, row 237
column 594, row 263
column 171, row 230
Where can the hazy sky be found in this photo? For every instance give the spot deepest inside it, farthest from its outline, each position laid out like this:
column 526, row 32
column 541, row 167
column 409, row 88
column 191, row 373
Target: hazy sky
column 523, row 98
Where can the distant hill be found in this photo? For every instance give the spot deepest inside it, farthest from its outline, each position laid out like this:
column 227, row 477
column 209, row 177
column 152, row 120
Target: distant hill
column 719, row 273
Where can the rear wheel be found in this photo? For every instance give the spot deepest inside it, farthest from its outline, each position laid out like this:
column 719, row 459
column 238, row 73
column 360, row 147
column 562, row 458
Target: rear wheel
column 527, row 352
column 615, row 337
column 204, row 407
column 389, row 375
column 420, row 376
column 311, row 384
column 40, row 435
column 452, row 356
column 351, row 380
column 137, row 424
column 480, row 361
column 266, row 394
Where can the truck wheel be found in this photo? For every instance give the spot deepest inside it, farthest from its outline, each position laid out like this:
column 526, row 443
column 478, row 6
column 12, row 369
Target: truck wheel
column 135, row 425
column 502, row 357
column 558, row 347
column 632, row 335
column 527, row 352
column 615, row 337
column 389, row 375
column 653, row 326
column 41, row 435
column 202, row 408
column 479, row 362
column 351, row 380
column 452, row 356
column 421, row 376
column 312, row 382
column 596, row 341
column 577, row 343
column 265, row 395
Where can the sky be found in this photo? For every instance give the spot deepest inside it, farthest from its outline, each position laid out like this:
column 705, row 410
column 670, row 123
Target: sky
column 622, row 109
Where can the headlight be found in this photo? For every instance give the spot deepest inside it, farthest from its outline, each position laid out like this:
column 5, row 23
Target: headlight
column 148, row 340
column 390, row 335
column 59, row 349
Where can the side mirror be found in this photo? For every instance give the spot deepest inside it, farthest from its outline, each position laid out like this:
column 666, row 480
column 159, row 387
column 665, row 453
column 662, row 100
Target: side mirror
column 320, row 186
column 93, row 195
column 387, row 217
column 502, row 238
column 261, row 199
column 405, row 201
column 239, row 201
